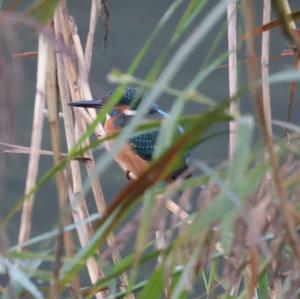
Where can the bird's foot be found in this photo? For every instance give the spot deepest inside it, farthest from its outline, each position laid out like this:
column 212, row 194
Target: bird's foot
column 128, row 175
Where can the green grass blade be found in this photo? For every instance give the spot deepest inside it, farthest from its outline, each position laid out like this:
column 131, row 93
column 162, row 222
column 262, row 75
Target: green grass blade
column 16, row 276
column 155, row 285
column 193, row 9
column 43, row 10
column 263, row 286
column 241, row 156
column 165, row 18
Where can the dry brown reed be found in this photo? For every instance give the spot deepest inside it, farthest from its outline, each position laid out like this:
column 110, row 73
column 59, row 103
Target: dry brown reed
column 36, row 137
column 256, row 92
column 65, row 239
column 77, row 76
column 66, row 79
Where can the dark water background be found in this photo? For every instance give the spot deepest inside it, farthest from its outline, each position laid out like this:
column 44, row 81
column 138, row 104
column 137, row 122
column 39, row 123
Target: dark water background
column 130, row 23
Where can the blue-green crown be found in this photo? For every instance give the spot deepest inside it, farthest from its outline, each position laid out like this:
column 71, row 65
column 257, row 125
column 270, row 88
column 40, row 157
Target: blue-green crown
column 130, row 96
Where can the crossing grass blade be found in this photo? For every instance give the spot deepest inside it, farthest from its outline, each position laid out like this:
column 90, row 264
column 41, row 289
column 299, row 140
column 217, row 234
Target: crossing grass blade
column 155, row 286
column 165, row 18
column 263, row 285
column 191, row 12
column 128, row 196
column 43, row 10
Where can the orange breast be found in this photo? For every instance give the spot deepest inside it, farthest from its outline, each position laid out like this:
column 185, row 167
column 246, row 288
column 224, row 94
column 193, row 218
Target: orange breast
column 127, row 159
column 109, row 126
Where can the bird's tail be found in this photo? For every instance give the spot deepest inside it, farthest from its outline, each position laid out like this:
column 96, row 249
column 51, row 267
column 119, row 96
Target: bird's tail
column 184, row 171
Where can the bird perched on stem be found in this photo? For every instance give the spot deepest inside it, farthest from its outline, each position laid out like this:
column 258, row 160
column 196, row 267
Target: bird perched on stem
column 137, row 153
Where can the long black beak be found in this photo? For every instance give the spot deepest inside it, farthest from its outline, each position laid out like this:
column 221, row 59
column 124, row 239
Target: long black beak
column 97, row 104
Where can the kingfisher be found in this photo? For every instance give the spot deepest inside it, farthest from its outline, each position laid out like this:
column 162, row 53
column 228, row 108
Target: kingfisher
column 137, row 153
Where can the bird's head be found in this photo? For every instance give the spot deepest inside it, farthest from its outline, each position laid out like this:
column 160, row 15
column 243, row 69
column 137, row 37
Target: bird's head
column 129, row 97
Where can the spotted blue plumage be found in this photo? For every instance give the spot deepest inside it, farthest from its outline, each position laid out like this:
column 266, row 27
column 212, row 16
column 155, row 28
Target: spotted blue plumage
column 131, row 96
column 144, row 144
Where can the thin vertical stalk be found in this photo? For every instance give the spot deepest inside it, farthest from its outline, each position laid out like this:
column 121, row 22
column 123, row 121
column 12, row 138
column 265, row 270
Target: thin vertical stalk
column 36, row 138
column 265, row 60
column 64, row 239
column 232, row 72
column 265, row 66
column 88, row 53
column 293, row 84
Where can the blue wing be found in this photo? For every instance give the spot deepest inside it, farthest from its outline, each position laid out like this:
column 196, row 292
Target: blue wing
column 144, row 144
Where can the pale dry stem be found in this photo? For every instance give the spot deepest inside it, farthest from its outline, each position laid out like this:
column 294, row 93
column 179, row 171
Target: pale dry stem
column 88, row 53
column 64, row 239
column 36, row 138
column 232, row 72
column 79, row 208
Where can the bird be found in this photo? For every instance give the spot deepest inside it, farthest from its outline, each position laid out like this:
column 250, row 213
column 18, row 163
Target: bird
column 136, row 155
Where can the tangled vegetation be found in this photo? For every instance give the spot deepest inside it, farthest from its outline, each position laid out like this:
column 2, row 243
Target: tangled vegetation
column 228, row 231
